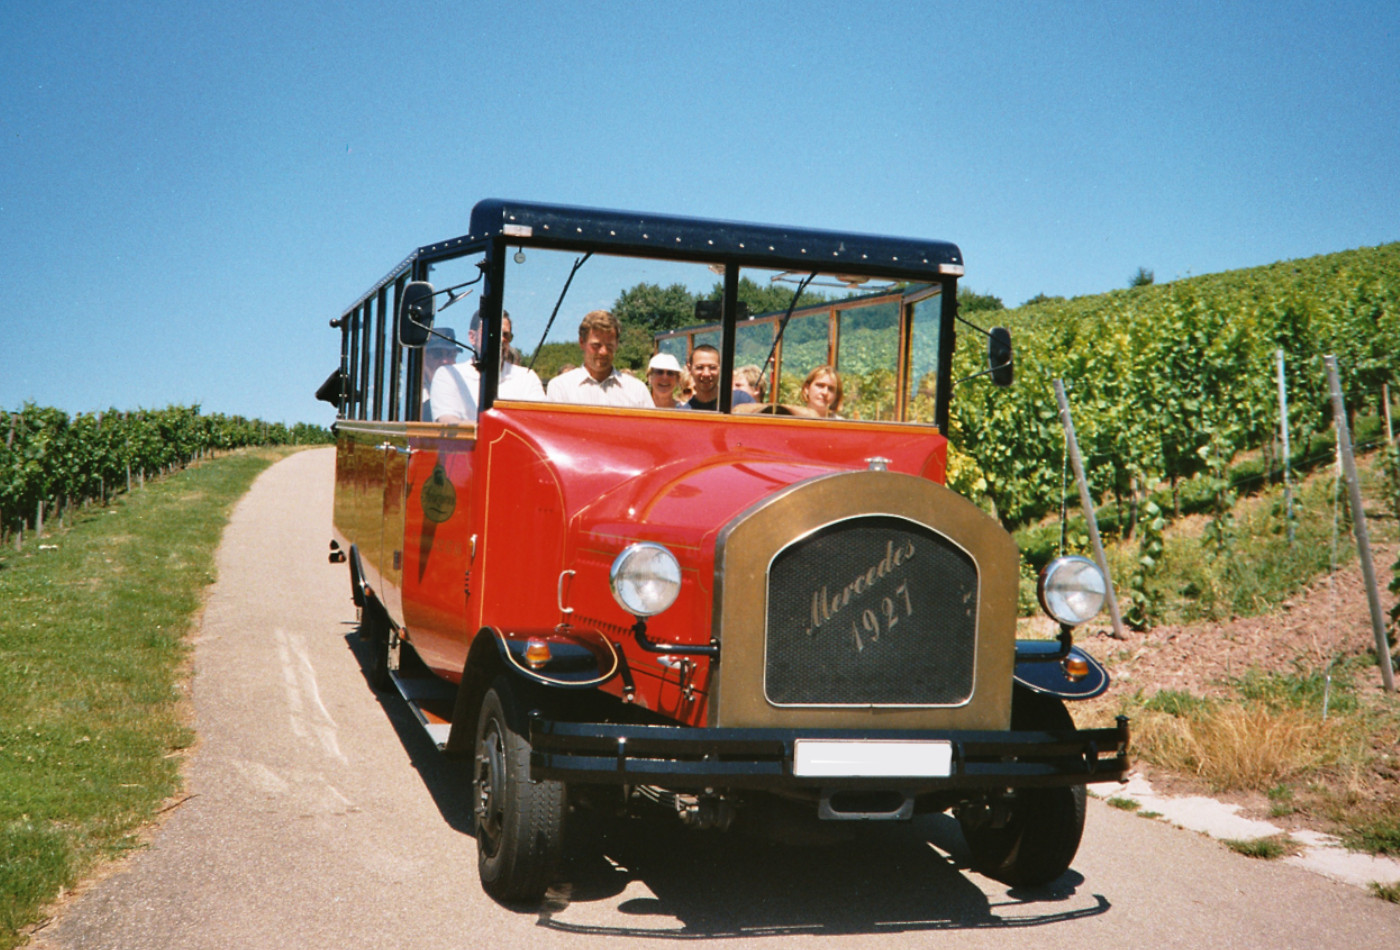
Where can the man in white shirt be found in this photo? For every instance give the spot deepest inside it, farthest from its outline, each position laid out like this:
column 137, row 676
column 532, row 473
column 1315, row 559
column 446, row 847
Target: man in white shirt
column 455, row 386
column 596, row 382
column 441, row 350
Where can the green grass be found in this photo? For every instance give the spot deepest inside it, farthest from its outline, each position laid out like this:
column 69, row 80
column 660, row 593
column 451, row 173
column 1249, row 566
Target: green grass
column 1375, row 830
column 1175, row 702
column 1270, row 848
column 1262, row 568
column 1281, row 801
column 1126, row 804
column 92, row 645
column 1386, row 892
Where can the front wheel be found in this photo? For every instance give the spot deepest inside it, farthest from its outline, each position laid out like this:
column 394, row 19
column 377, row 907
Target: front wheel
column 1037, row 834
column 519, row 823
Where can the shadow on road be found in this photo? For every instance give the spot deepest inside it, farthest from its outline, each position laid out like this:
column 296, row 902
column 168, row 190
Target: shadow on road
column 778, row 874
column 798, row 878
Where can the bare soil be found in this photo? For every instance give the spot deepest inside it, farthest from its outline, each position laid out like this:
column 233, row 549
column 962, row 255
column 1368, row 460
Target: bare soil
column 1329, row 619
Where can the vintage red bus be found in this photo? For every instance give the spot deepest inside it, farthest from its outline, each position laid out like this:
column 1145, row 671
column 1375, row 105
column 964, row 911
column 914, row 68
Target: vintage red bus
column 606, row 605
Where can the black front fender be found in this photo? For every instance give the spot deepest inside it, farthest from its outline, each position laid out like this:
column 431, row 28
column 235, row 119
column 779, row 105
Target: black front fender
column 1043, row 666
column 564, row 657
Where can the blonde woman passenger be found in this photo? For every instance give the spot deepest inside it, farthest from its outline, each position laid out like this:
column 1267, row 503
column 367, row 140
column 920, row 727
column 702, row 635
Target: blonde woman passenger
column 821, row 392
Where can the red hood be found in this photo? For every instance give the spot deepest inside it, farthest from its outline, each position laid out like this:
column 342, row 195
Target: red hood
column 675, row 477
column 586, row 482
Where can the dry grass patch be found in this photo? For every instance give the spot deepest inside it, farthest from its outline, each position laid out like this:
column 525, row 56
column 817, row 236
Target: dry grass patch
column 1232, row 747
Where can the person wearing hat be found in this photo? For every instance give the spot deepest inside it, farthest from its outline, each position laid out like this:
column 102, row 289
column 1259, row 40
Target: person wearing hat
column 437, row 353
column 663, row 375
column 516, row 381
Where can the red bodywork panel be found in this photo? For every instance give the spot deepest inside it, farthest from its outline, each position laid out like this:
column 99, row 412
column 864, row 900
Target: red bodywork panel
column 538, row 489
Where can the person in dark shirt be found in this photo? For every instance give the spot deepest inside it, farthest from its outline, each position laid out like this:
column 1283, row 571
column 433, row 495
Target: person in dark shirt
column 704, row 373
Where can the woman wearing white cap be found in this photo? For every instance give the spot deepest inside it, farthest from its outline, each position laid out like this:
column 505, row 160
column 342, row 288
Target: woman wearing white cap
column 663, row 373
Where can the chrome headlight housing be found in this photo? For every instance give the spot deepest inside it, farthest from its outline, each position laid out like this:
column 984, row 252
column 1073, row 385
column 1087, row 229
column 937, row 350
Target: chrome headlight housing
column 645, row 578
column 1072, row 589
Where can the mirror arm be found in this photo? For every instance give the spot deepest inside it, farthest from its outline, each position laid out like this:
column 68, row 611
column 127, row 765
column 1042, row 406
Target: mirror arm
column 443, row 336
column 985, row 333
column 984, row 372
column 988, row 334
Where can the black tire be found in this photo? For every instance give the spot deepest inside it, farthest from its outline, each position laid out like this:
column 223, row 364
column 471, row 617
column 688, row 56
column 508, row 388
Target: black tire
column 1041, row 835
column 357, row 584
column 519, row 823
column 374, row 627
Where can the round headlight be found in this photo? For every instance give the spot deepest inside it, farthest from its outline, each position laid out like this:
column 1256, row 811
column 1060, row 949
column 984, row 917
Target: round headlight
column 1072, row 589
column 645, row 579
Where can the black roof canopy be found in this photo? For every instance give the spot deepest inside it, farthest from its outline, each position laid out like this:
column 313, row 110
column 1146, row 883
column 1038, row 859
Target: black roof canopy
column 659, row 235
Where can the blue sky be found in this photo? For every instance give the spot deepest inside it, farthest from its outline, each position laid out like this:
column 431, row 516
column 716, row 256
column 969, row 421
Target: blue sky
column 190, row 191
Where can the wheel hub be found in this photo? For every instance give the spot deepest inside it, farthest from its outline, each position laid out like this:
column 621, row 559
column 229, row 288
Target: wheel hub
column 490, row 773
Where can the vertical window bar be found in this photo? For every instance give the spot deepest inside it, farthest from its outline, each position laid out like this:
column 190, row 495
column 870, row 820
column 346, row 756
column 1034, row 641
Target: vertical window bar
column 903, row 363
column 945, row 353
column 352, row 407
column 381, row 300
column 396, row 362
column 413, row 384
column 833, row 336
column 366, row 356
column 342, row 403
column 729, row 337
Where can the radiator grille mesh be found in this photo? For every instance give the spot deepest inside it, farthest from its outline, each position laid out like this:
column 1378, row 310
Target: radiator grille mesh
column 871, row 611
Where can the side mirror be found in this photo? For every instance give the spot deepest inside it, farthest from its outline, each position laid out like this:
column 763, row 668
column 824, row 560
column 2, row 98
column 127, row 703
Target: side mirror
column 416, row 311
column 333, row 389
column 999, row 356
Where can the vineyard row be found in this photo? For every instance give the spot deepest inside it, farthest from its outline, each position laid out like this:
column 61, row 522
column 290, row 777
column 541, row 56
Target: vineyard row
column 50, row 461
column 1172, row 381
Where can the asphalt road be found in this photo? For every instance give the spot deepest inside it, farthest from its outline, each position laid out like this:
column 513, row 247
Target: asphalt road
column 319, row 816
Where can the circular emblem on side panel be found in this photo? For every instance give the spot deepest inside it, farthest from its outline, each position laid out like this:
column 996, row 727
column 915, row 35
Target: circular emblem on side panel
column 438, row 497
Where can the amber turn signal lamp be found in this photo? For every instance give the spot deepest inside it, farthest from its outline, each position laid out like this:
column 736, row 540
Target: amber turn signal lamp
column 1076, row 667
column 536, row 653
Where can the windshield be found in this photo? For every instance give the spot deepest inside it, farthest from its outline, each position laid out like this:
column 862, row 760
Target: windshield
column 877, row 339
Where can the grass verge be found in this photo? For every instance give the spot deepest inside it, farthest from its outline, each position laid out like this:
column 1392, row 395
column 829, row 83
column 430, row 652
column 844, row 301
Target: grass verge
column 92, row 649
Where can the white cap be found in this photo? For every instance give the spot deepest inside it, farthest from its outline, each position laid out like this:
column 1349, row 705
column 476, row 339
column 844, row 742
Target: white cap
column 664, row 361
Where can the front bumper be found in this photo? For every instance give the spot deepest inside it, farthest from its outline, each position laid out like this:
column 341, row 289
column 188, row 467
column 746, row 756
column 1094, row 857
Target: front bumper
column 680, row 757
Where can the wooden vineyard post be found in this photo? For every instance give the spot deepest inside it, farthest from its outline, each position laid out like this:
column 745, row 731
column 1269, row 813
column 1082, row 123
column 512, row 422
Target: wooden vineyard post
column 1363, row 540
column 1385, row 404
column 1287, row 461
column 1087, row 503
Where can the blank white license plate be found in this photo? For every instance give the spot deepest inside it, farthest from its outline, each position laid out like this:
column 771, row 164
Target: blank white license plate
column 873, row 758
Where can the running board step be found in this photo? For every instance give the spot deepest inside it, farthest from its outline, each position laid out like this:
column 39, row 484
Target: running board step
column 431, row 701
